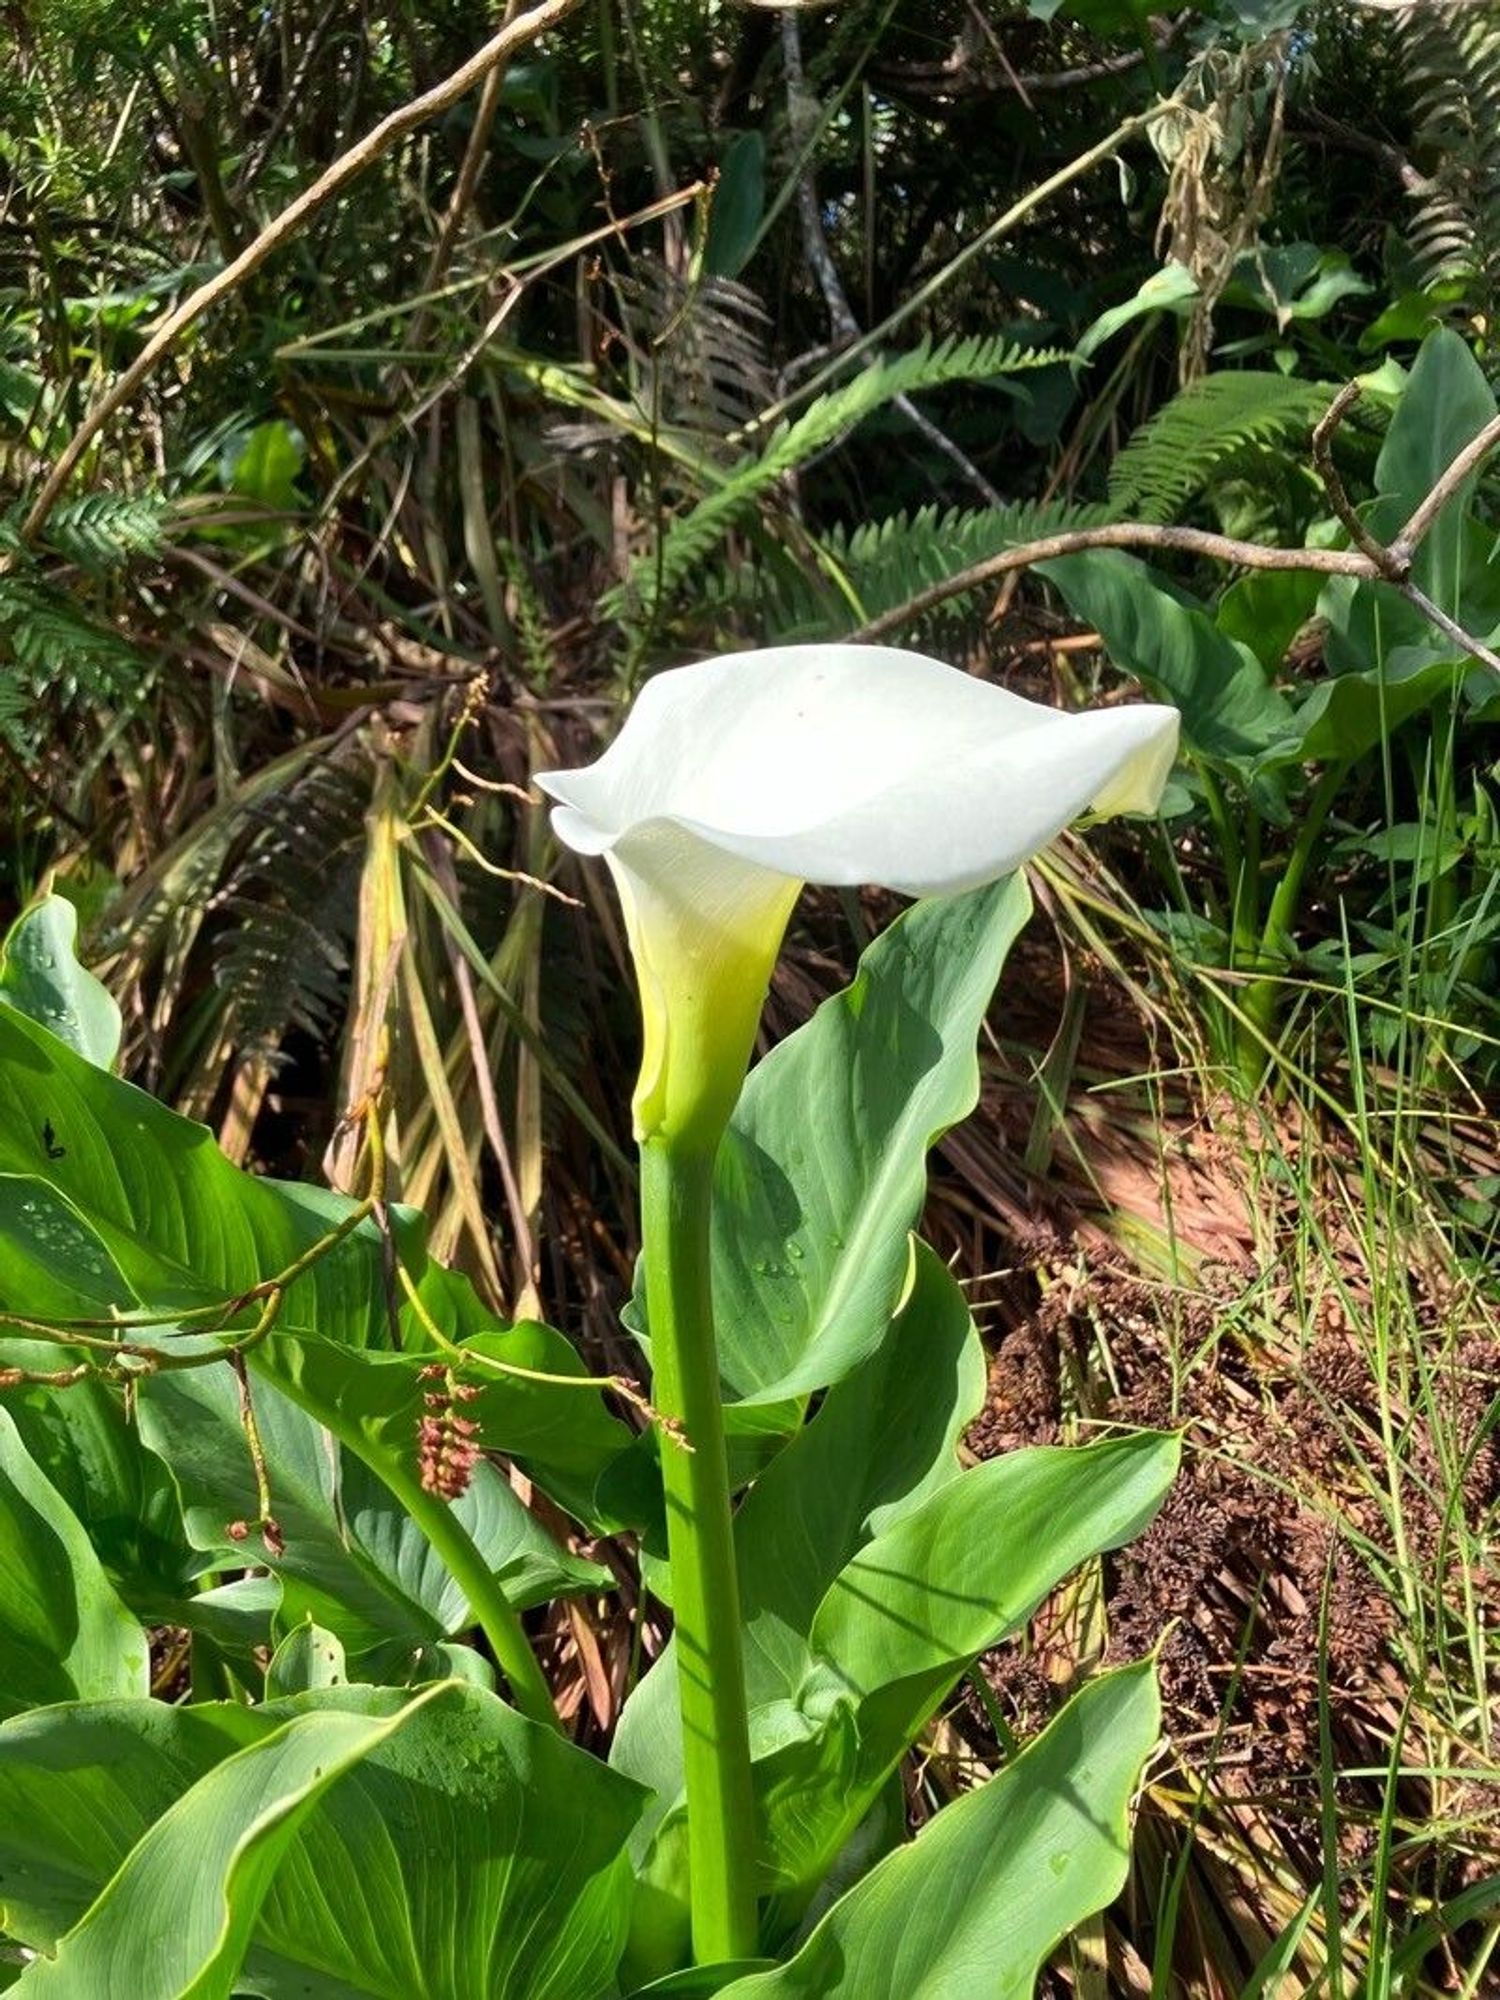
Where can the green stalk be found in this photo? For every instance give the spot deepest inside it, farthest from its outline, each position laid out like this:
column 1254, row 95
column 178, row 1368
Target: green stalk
column 1262, row 998
column 676, row 1203
column 493, row 1611
column 1246, row 920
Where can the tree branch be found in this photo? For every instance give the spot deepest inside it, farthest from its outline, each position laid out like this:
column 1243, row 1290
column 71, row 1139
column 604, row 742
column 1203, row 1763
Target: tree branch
column 348, row 167
column 1115, row 535
column 1369, row 560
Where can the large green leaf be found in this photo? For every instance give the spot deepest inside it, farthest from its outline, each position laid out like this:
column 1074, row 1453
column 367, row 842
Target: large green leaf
column 811, row 1213
column 836, row 1706
column 1446, row 402
column 121, row 1493
column 79, row 1786
column 883, row 1440
column 476, row 1855
column 467, row 1855
column 975, row 1560
column 976, row 1902
column 1231, row 715
column 263, row 464
column 1348, row 715
column 174, row 1923
column 126, row 1197
column 904, row 1618
column 63, row 1631
column 739, row 203
column 1265, row 609
column 41, row 977
column 181, row 1225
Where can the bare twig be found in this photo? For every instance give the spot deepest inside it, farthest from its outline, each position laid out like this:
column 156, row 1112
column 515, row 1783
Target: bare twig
column 1355, row 141
column 1450, row 627
column 348, row 167
column 1333, row 485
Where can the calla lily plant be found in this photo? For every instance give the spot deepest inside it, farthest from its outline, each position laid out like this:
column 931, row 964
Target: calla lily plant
column 731, row 785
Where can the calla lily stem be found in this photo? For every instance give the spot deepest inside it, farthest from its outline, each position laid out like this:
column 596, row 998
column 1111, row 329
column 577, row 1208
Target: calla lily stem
column 676, row 1206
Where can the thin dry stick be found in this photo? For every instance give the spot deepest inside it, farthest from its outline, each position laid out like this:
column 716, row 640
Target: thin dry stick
column 348, row 167
column 992, row 233
column 820, row 257
column 1333, row 485
column 1371, row 561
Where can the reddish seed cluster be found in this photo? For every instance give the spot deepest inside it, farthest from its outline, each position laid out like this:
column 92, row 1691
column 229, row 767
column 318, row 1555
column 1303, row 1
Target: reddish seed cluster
column 447, row 1443
column 272, row 1539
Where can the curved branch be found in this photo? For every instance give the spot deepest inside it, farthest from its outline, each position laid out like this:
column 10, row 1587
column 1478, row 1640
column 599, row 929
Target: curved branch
column 1117, row 535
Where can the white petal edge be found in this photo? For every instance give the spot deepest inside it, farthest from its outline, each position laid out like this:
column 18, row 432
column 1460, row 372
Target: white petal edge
column 847, row 764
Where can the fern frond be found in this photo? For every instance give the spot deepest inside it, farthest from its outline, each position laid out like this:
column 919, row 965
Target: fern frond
column 1206, row 432
column 533, row 632
column 702, row 349
column 55, row 651
column 100, row 531
column 890, row 562
column 691, row 540
column 95, row 531
column 884, row 564
column 55, row 654
column 1452, row 59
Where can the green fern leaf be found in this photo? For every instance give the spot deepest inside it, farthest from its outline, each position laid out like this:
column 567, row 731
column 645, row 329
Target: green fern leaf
column 1452, row 57
column 1205, row 433
column 882, row 565
column 101, row 531
column 691, row 540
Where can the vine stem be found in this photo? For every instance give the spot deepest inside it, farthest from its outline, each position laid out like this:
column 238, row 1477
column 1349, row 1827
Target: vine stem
column 676, row 1206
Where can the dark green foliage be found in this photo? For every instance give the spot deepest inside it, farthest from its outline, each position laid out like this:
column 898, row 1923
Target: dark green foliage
column 58, row 650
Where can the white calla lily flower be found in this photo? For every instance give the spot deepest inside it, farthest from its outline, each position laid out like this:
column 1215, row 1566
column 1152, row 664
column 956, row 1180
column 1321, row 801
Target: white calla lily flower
column 736, row 781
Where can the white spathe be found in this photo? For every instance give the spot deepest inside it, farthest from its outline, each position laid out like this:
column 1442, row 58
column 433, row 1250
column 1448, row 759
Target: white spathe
column 735, row 781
